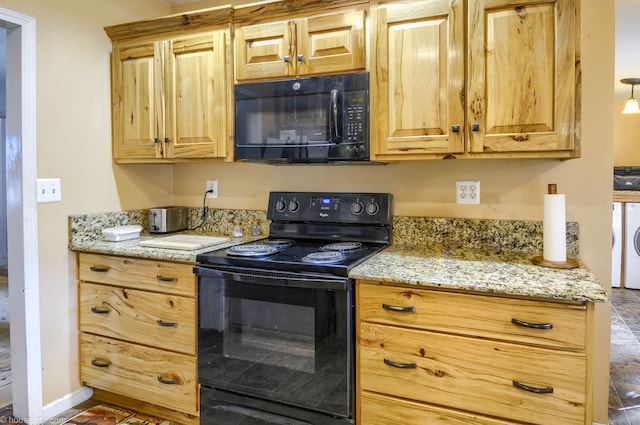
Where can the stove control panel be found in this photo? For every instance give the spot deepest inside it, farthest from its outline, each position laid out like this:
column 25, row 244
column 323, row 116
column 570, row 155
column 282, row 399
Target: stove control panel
column 359, row 208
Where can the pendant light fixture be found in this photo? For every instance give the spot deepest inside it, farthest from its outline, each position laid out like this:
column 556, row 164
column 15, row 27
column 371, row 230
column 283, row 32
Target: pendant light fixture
column 631, row 107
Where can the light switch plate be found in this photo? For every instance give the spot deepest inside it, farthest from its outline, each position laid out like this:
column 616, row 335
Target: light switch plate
column 49, row 190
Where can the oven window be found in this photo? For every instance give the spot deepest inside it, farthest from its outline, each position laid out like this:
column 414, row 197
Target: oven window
column 280, row 343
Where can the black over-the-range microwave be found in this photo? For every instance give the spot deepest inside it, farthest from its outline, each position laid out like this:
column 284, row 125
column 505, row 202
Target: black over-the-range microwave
column 305, row 120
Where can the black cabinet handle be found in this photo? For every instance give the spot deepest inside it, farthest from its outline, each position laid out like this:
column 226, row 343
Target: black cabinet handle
column 398, row 308
column 99, row 363
column 167, row 140
column 475, row 127
column 166, row 279
column 287, row 58
column 545, row 390
column 167, row 324
column 532, row 325
column 168, row 381
column 400, row 365
column 99, row 269
column 97, row 310
column 455, row 128
column 156, row 140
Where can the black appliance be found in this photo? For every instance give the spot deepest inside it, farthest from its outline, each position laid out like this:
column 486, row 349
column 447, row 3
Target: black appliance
column 305, row 120
column 626, row 178
column 276, row 335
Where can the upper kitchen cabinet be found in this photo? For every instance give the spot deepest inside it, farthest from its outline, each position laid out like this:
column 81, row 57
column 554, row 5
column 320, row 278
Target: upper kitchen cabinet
column 514, row 97
column 522, row 75
column 311, row 44
column 417, row 80
column 171, row 88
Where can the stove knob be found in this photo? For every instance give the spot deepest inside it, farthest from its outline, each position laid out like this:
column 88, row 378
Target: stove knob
column 372, row 208
column 280, row 205
column 357, row 208
column 293, row 206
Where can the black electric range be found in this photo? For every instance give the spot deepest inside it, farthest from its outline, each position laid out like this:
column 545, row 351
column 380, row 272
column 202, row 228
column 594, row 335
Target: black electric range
column 314, row 232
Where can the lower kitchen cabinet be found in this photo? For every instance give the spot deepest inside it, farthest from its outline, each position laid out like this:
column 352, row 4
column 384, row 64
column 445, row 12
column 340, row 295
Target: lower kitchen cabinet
column 426, row 356
column 138, row 330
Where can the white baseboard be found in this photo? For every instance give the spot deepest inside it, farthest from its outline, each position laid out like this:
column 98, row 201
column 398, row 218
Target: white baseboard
column 66, row 402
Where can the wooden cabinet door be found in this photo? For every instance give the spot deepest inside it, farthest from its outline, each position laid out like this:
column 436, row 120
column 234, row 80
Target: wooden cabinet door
column 265, row 50
column 197, row 96
column 418, row 78
column 137, row 96
column 521, row 76
column 331, row 43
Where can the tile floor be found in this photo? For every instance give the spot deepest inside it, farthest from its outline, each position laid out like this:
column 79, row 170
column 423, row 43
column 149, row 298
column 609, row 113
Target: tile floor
column 624, row 381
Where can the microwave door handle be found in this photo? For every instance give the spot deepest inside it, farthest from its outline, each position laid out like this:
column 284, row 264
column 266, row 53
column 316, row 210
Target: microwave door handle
column 333, row 116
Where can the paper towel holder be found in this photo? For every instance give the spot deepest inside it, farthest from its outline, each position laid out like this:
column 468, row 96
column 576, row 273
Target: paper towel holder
column 569, row 263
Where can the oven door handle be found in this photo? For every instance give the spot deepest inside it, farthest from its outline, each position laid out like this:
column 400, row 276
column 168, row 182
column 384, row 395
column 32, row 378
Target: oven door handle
column 274, row 278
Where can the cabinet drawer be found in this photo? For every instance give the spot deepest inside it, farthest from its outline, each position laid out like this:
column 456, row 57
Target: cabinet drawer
column 474, row 374
column 137, row 372
column 475, row 315
column 151, row 275
column 161, row 320
column 376, row 409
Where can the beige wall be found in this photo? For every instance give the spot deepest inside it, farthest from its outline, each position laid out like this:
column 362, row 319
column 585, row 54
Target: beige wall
column 510, row 189
column 626, row 135
column 73, row 143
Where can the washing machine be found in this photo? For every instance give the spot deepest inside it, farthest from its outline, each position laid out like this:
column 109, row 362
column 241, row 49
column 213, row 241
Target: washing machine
column 632, row 245
column 616, row 256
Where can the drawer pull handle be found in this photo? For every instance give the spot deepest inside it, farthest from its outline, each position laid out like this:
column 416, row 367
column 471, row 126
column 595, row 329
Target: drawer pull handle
column 167, row 324
column 97, row 310
column 532, row 325
column 546, row 390
column 168, row 381
column 99, row 269
column 100, row 363
column 398, row 308
column 400, row 365
column 166, row 279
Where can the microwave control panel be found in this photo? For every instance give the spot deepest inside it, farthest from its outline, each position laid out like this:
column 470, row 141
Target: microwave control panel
column 355, row 116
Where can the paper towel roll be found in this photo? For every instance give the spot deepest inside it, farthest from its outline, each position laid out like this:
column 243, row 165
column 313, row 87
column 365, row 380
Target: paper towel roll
column 554, row 229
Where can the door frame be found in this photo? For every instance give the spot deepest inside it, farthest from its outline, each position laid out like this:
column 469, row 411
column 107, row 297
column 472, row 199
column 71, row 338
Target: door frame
column 22, row 217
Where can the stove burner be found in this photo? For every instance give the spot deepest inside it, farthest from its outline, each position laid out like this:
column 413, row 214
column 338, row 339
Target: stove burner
column 345, row 247
column 252, row 250
column 324, row 257
column 278, row 243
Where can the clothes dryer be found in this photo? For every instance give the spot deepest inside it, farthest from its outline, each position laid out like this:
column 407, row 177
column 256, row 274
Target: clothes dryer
column 632, row 246
column 616, row 256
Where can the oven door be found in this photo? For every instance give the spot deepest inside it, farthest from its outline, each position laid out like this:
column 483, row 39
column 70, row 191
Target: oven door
column 277, row 336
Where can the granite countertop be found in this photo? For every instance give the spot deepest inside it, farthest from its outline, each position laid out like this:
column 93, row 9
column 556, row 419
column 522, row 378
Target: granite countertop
column 471, row 262
column 479, row 270
column 132, row 248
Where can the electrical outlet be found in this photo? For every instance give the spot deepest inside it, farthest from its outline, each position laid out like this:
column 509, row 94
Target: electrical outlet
column 48, row 190
column 468, row 192
column 212, row 185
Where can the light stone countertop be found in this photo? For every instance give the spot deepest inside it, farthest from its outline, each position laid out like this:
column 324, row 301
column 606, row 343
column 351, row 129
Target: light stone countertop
column 507, row 274
column 131, row 248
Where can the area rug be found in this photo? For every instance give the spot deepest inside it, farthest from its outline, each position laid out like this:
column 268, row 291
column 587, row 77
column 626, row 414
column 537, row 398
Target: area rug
column 109, row 415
